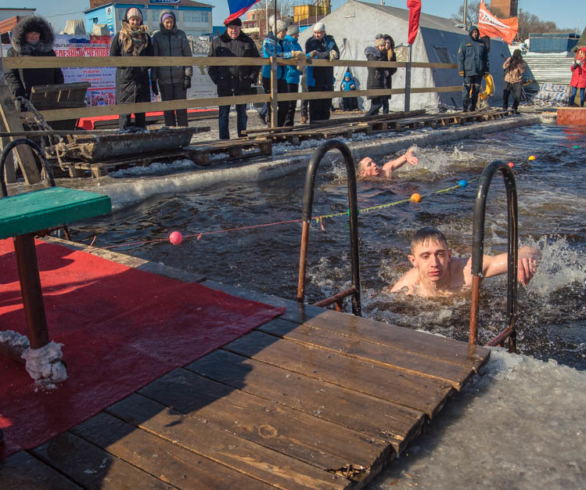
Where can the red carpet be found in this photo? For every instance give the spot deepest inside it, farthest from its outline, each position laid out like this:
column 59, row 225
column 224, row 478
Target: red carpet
column 121, row 328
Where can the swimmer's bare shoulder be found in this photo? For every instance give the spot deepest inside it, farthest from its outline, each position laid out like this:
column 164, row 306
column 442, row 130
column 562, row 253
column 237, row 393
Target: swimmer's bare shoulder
column 409, row 280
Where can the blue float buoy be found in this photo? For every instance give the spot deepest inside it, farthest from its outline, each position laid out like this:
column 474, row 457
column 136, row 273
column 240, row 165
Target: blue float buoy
column 462, row 183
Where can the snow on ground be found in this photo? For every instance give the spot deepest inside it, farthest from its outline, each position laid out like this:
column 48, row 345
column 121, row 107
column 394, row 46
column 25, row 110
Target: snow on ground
column 521, row 425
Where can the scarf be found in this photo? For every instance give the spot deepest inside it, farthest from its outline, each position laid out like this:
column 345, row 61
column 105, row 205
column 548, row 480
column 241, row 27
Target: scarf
column 134, row 39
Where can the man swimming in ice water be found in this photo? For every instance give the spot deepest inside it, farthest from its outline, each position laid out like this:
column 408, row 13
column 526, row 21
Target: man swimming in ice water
column 367, row 167
column 435, row 272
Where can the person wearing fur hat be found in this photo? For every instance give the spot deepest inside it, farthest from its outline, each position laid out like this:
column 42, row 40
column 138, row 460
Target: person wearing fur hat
column 320, row 46
column 514, row 67
column 473, row 64
column 578, row 76
column 171, row 82
column 233, row 80
column 132, row 82
column 32, row 36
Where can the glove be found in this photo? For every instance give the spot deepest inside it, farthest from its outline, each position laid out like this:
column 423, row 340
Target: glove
column 313, row 54
column 154, row 87
column 333, row 55
column 187, row 83
column 461, row 73
column 299, row 55
column 486, row 73
column 578, row 63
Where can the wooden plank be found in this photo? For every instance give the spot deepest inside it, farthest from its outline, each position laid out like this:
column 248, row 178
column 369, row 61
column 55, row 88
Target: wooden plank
column 38, row 89
column 24, row 154
column 356, row 411
column 296, row 312
column 92, row 467
column 385, row 355
column 21, row 471
column 448, row 350
column 168, row 462
column 113, row 110
column 418, row 393
column 290, row 432
column 223, row 447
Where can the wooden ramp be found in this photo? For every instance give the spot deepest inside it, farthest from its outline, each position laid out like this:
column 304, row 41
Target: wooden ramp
column 313, row 400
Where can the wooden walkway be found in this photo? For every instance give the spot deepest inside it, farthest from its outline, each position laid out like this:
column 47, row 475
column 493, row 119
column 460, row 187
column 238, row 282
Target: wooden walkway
column 313, row 400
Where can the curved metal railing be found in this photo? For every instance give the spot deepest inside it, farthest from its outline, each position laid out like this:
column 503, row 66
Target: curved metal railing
column 478, row 250
column 353, row 212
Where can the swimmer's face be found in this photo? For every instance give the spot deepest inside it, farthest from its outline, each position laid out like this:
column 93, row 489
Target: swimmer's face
column 368, row 168
column 431, row 258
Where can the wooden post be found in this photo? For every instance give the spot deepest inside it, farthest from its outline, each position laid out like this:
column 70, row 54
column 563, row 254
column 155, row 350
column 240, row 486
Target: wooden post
column 274, row 107
column 408, row 82
column 30, row 287
column 11, row 120
column 9, row 171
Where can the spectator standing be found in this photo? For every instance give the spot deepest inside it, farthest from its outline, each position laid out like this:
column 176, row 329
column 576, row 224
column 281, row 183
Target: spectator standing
column 348, row 85
column 391, row 56
column 292, row 73
column 320, row 79
column 514, row 67
column 32, row 36
column 233, row 80
column 277, row 46
column 376, row 76
column 473, row 64
column 171, row 82
column 578, row 76
column 132, row 82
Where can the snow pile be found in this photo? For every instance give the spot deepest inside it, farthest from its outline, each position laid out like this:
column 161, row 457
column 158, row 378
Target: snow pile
column 520, row 425
column 15, row 341
column 155, row 168
column 45, row 365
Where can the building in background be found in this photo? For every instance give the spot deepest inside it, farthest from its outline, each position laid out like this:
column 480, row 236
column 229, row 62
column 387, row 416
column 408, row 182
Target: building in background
column 194, row 18
column 508, row 8
column 9, row 17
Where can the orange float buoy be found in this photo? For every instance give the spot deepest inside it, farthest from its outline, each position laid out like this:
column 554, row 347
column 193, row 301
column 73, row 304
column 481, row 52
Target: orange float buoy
column 416, row 197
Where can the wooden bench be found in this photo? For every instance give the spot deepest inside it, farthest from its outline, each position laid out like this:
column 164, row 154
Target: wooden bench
column 24, row 215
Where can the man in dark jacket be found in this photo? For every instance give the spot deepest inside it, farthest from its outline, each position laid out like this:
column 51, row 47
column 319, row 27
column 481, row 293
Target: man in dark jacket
column 321, row 47
column 473, row 64
column 32, row 36
column 377, row 77
column 233, row 80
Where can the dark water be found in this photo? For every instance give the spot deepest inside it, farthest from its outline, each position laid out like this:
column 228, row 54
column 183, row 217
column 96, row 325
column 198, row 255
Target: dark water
column 552, row 204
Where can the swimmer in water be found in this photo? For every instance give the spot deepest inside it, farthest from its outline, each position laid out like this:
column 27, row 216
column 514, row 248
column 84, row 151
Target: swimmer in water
column 367, row 167
column 435, row 272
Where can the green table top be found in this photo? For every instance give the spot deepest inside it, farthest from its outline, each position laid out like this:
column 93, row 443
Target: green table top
column 47, row 208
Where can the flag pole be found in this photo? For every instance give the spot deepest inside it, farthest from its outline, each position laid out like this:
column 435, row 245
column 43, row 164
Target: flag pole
column 408, row 81
column 465, row 14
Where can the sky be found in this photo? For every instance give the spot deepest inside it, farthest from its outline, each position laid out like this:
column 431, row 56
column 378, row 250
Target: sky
column 572, row 13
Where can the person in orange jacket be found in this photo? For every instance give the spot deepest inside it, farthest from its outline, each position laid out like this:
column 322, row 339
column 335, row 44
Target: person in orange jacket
column 578, row 76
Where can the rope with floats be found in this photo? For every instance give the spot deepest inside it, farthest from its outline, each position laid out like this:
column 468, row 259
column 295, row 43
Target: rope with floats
column 176, row 237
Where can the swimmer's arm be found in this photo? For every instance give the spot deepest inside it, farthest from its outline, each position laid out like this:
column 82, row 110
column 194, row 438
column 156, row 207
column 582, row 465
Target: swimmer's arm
column 409, row 157
column 408, row 280
column 526, row 268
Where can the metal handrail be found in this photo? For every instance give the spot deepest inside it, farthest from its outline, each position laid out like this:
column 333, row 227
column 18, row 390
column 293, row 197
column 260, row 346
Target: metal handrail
column 9, row 147
column 478, row 250
column 353, row 212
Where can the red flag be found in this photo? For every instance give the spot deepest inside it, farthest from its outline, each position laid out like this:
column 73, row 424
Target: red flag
column 414, row 7
column 491, row 26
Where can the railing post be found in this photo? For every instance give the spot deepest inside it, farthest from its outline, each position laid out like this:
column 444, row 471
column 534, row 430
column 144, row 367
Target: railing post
column 274, row 107
column 478, row 249
column 353, row 214
column 408, row 82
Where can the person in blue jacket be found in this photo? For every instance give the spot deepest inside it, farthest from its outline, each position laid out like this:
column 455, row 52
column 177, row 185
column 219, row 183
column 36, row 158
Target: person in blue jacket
column 320, row 46
column 347, row 85
column 473, row 64
column 292, row 73
column 277, row 46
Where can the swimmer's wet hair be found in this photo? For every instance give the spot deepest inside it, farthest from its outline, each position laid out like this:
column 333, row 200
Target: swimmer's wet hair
column 427, row 234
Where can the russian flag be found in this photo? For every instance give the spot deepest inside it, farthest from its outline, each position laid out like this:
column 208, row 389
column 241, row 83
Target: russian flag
column 238, row 8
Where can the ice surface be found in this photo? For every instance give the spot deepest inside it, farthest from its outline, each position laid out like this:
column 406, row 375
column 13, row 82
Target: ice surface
column 519, row 426
column 45, row 365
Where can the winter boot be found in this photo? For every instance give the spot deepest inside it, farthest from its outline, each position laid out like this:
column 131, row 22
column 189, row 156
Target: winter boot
column 472, row 105
column 465, row 105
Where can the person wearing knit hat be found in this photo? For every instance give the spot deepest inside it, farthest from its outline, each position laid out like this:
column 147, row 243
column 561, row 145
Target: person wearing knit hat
column 292, row 72
column 132, row 83
column 171, row 81
column 233, row 80
column 320, row 46
column 276, row 46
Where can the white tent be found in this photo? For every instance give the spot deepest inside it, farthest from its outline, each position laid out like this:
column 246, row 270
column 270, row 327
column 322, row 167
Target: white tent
column 355, row 25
